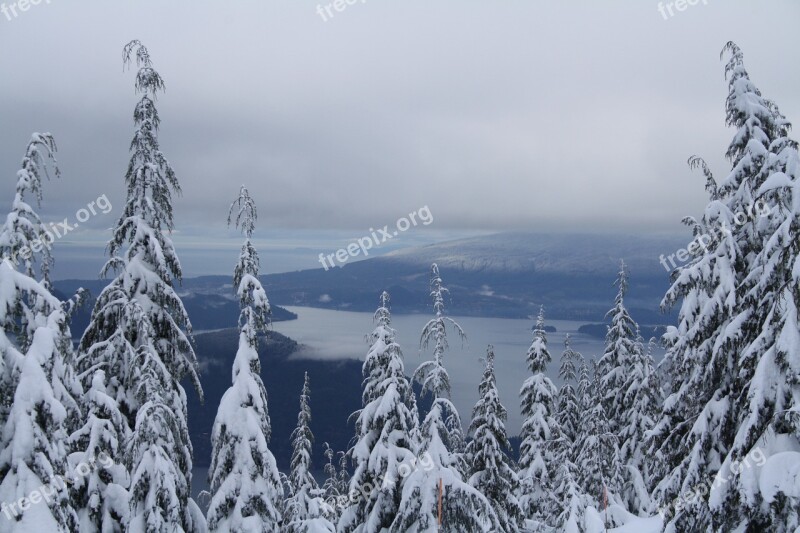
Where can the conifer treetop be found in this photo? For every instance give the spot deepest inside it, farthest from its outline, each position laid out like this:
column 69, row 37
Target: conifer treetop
column 23, row 226
column 148, row 81
column 538, row 356
column 432, row 375
column 568, row 356
column 246, row 213
column 150, row 179
column 253, row 301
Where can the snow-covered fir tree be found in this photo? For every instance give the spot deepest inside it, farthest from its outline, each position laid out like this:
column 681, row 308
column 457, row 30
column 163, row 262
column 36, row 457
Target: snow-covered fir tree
column 568, row 412
column 463, row 507
column 343, row 473
column 21, row 229
column 99, row 492
column 247, row 495
column 568, row 499
column 331, row 489
column 23, row 226
column 158, row 452
column 767, row 413
column 686, row 447
column 491, row 471
column 432, row 375
column 385, row 427
column 139, row 329
column 643, row 398
column 631, row 399
column 305, row 509
column 34, row 451
column 540, row 430
column 615, row 364
column 585, row 389
column 38, row 388
column 567, row 502
column 685, row 443
column 331, row 485
column 730, row 353
column 597, row 455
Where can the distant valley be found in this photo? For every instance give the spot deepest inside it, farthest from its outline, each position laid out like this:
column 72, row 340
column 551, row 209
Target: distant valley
column 508, row 275
column 500, row 276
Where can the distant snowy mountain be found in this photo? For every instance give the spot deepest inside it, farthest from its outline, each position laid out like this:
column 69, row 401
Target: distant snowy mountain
column 501, row 275
column 545, row 253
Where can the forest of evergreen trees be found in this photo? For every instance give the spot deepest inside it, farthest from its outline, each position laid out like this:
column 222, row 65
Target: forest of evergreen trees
column 95, row 436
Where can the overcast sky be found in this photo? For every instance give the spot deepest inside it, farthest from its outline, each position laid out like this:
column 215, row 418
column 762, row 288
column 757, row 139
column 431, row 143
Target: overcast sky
column 545, row 116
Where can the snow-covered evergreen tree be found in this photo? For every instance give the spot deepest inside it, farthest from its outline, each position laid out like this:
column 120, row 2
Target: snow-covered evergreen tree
column 540, row 430
column 730, row 366
column 247, row 495
column 34, row 451
column 685, row 440
column 615, row 364
column 463, row 507
column 767, row 410
column 598, row 459
column 631, row 399
column 38, row 388
column 642, row 396
column 568, row 413
column 343, row 478
column 431, row 375
column 100, row 496
column 331, row 488
column 306, row 510
column 585, row 391
column 568, row 499
column 300, row 478
column 331, row 485
column 570, row 480
column 384, row 432
column 491, row 471
column 566, row 503
column 158, row 452
column 139, row 329
column 21, row 229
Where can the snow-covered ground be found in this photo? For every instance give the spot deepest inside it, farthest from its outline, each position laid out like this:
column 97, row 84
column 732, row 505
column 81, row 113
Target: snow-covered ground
column 640, row 525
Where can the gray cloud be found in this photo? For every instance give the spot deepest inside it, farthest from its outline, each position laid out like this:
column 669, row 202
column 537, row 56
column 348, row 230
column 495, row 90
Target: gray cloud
column 512, row 115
